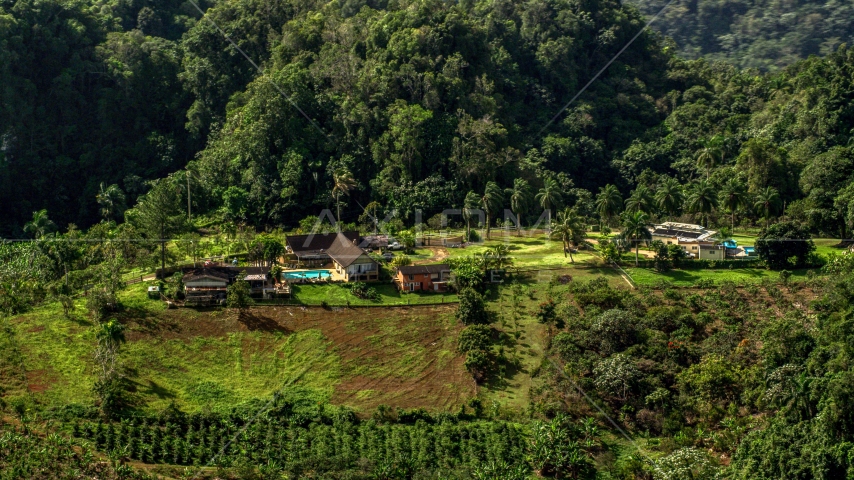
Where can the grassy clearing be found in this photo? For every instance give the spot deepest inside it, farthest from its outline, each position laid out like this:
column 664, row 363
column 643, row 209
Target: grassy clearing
column 528, row 251
column 338, row 295
column 526, row 338
column 827, row 246
column 687, row 278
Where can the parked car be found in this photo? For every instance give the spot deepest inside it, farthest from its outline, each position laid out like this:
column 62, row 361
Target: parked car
column 395, row 246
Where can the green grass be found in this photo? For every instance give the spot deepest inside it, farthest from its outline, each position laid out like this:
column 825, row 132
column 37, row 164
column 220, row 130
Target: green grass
column 338, row 294
column 528, row 251
column 827, row 246
column 205, row 371
column 689, row 277
column 208, row 359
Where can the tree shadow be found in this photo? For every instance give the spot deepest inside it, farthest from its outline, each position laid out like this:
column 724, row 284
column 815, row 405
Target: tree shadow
column 255, row 322
column 79, row 320
column 152, row 388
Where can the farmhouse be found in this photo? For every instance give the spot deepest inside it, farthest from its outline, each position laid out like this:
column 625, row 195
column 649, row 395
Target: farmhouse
column 312, row 249
column 696, row 240
column 207, row 284
column 207, row 281
column 431, row 278
column 351, row 261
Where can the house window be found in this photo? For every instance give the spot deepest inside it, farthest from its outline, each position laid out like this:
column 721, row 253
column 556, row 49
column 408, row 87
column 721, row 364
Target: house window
column 412, row 277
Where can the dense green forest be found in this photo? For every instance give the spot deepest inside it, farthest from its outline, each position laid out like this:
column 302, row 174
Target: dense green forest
column 763, row 34
column 421, row 102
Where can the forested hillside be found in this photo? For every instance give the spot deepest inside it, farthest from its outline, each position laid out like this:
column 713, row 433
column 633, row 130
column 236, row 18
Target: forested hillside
column 763, row 34
column 421, row 101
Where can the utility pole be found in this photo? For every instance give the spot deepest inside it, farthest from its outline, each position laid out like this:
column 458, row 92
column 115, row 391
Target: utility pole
column 189, row 219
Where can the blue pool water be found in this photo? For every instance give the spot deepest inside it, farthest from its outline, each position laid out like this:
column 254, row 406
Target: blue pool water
column 306, row 274
column 748, row 250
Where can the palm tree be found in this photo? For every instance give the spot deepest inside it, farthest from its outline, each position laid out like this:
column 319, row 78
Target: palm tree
column 491, row 201
column 111, row 199
column 768, row 200
column 733, row 196
column 640, row 201
column 370, row 212
column 342, row 183
column 635, row 230
column 569, row 230
column 669, row 196
column 469, row 207
column 608, row 202
column 702, row 200
column 711, row 154
column 548, row 197
column 40, row 225
column 520, row 198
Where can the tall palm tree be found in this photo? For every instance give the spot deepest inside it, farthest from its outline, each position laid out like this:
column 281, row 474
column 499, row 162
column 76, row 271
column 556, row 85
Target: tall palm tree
column 520, row 199
column 342, row 183
column 641, row 200
column 370, row 212
column 733, row 196
column 702, row 200
column 549, row 197
column 608, row 202
column 110, row 199
column 768, row 200
column 711, row 154
column 669, row 196
column 635, row 230
column 40, row 225
column 569, row 230
column 469, row 207
column 492, row 200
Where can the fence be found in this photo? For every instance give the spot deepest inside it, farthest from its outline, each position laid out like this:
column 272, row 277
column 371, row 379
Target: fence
column 292, row 302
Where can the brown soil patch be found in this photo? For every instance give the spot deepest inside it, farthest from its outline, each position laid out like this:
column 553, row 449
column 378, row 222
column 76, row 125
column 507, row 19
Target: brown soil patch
column 403, row 357
column 37, row 380
column 439, row 255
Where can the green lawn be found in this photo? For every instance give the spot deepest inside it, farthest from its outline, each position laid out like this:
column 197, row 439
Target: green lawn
column 338, row 294
column 826, row 246
column 689, row 277
column 528, row 251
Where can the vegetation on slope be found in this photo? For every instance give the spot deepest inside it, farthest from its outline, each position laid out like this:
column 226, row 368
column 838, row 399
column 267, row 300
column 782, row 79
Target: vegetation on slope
column 762, row 34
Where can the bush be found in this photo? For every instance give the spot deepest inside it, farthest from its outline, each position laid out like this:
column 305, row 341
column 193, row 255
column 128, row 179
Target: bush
column 614, row 330
column 472, row 308
column 478, row 363
column 474, row 337
column 782, row 242
column 363, row 291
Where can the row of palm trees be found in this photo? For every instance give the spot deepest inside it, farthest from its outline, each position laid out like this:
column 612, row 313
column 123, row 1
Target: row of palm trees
column 521, row 197
column 700, row 198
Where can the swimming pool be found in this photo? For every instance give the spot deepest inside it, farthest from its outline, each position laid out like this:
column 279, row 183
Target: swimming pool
column 304, row 275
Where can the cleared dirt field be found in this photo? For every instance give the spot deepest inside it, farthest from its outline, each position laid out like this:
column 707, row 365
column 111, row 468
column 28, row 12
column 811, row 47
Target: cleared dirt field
column 362, row 357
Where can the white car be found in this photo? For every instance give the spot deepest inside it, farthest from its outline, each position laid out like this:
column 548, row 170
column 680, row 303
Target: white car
column 395, row 246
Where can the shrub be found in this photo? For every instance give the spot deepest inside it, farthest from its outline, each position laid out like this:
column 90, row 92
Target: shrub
column 472, row 308
column 782, row 242
column 616, row 376
column 614, row 330
column 363, row 291
column 478, row 363
column 474, row 337
column 400, row 261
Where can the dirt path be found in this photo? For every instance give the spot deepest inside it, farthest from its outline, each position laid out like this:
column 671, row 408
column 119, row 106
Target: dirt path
column 439, row 255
